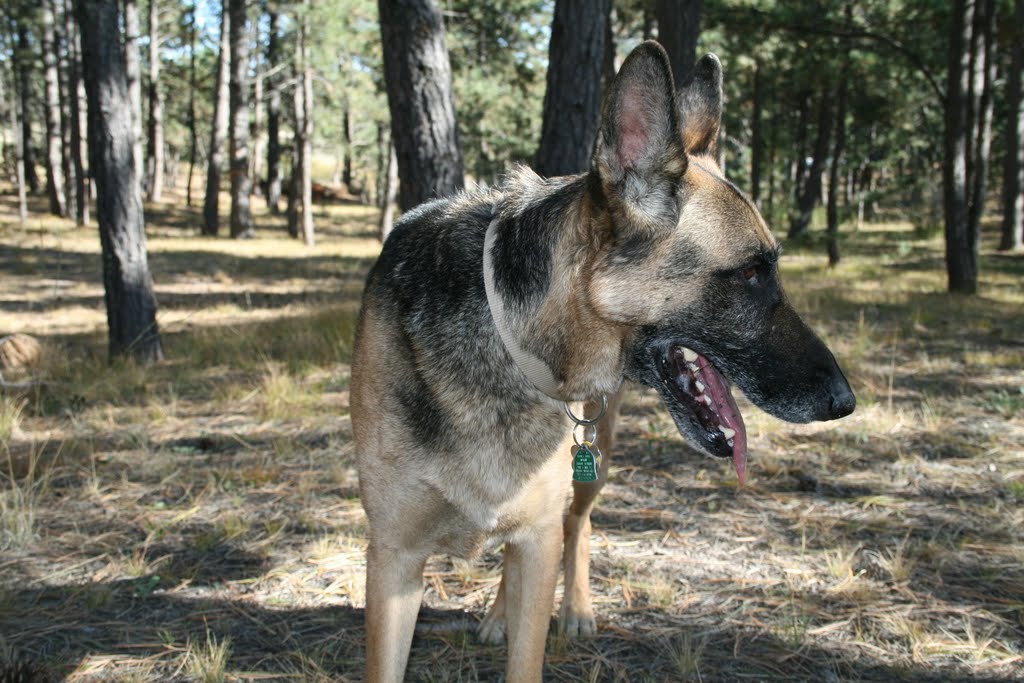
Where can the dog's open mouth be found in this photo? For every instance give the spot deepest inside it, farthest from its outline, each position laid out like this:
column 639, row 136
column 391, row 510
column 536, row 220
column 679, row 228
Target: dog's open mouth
column 702, row 393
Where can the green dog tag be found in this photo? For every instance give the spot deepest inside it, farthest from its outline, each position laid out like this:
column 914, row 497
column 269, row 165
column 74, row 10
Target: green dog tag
column 584, row 464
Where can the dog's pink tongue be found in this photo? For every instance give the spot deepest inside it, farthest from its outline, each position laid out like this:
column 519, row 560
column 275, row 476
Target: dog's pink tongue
column 725, row 405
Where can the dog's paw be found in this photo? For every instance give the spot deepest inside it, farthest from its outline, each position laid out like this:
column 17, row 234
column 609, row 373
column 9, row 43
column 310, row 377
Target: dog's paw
column 492, row 630
column 576, row 623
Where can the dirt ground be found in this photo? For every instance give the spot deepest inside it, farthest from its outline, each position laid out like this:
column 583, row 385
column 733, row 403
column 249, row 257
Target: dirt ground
column 200, row 520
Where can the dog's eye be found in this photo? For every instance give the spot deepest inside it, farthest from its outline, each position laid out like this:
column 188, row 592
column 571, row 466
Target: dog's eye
column 750, row 275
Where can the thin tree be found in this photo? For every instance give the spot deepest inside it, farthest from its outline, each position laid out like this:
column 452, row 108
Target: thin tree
column 64, row 33
column 811, row 191
column 387, row 182
column 418, row 78
column 23, row 60
column 302, row 168
column 834, row 178
column 238, row 121
column 1013, row 162
column 79, row 113
column 51, row 101
column 273, row 193
column 155, row 132
column 575, row 78
column 133, row 72
column 678, row 30
column 961, row 244
column 128, row 286
column 757, row 135
column 219, row 129
column 190, row 122
column 19, row 168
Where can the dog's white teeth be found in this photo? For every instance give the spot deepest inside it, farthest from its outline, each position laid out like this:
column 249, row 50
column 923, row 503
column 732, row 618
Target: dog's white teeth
column 692, row 367
column 689, row 354
column 700, row 387
column 729, row 433
column 705, row 398
column 731, row 443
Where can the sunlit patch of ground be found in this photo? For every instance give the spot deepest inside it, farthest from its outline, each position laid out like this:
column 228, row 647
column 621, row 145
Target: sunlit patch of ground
column 200, row 520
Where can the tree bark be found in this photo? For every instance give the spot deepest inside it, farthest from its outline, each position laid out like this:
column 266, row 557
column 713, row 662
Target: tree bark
column 419, row 84
column 835, row 175
column 984, row 74
column 23, row 64
column 256, row 134
column 19, row 168
column 219, row 129
column 756, row 136
column 678, row 30
column 79, row 107
column 572, row 101
column 346, row 131
column 131, row 305
column 1013, row 163
column 155, row 138
column 387, row 209
column 133, row 72
column 238, row 126
column 191, row 122
column 811, row 192
column 304, row 99
column 63, row 32
column 273, row 193
column 961, row 248
column 51, row 91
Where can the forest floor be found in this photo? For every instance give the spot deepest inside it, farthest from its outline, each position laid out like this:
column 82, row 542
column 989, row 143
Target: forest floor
column 200, row 520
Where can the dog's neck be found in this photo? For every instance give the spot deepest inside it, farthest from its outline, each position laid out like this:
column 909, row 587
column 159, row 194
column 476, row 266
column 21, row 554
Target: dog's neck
column 557, row 341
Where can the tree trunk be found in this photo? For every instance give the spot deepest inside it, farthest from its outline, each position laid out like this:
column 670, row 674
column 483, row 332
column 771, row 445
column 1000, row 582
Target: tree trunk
column 238, row 126
column 273, row 118
column 346, row 132
column 63, row 32
column 812, row 187
column 23, row 64
column 985, row 75
column 1013, row 168
column 256, row 133
column 131, row 305
column 835, row 175
column 756, row 136
column 51, row 91
column 419, row 84
column 19, row 168
column 302, row 171
column 572, row 101
column 133, row 72
column 79, row 124
column 191, row 122
column 803, row 123
column 219, row 129
column 961, row 249
column 678, row 30
column 156, row 109
column 387, row 210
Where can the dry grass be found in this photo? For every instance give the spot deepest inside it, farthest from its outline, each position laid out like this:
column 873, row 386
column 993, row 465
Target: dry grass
column 199, row 520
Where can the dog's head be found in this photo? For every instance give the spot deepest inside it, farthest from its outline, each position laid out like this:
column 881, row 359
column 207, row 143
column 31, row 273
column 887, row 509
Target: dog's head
column 688, row 263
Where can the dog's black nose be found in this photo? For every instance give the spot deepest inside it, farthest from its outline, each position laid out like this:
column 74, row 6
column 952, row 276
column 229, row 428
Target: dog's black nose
column 841, row 399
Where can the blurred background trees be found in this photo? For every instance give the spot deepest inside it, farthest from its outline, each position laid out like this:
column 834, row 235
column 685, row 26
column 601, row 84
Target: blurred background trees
column 838, row 111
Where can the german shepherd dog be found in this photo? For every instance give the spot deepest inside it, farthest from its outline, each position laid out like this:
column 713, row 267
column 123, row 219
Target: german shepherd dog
column 488, row 310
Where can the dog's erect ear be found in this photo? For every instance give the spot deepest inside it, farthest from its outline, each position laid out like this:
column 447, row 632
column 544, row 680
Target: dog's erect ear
column 700, row 105
column 638, row 139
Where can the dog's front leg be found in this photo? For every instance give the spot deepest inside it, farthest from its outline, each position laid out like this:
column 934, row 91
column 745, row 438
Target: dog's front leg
column 576, row 617
column 530, row 575
column 394, row 589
